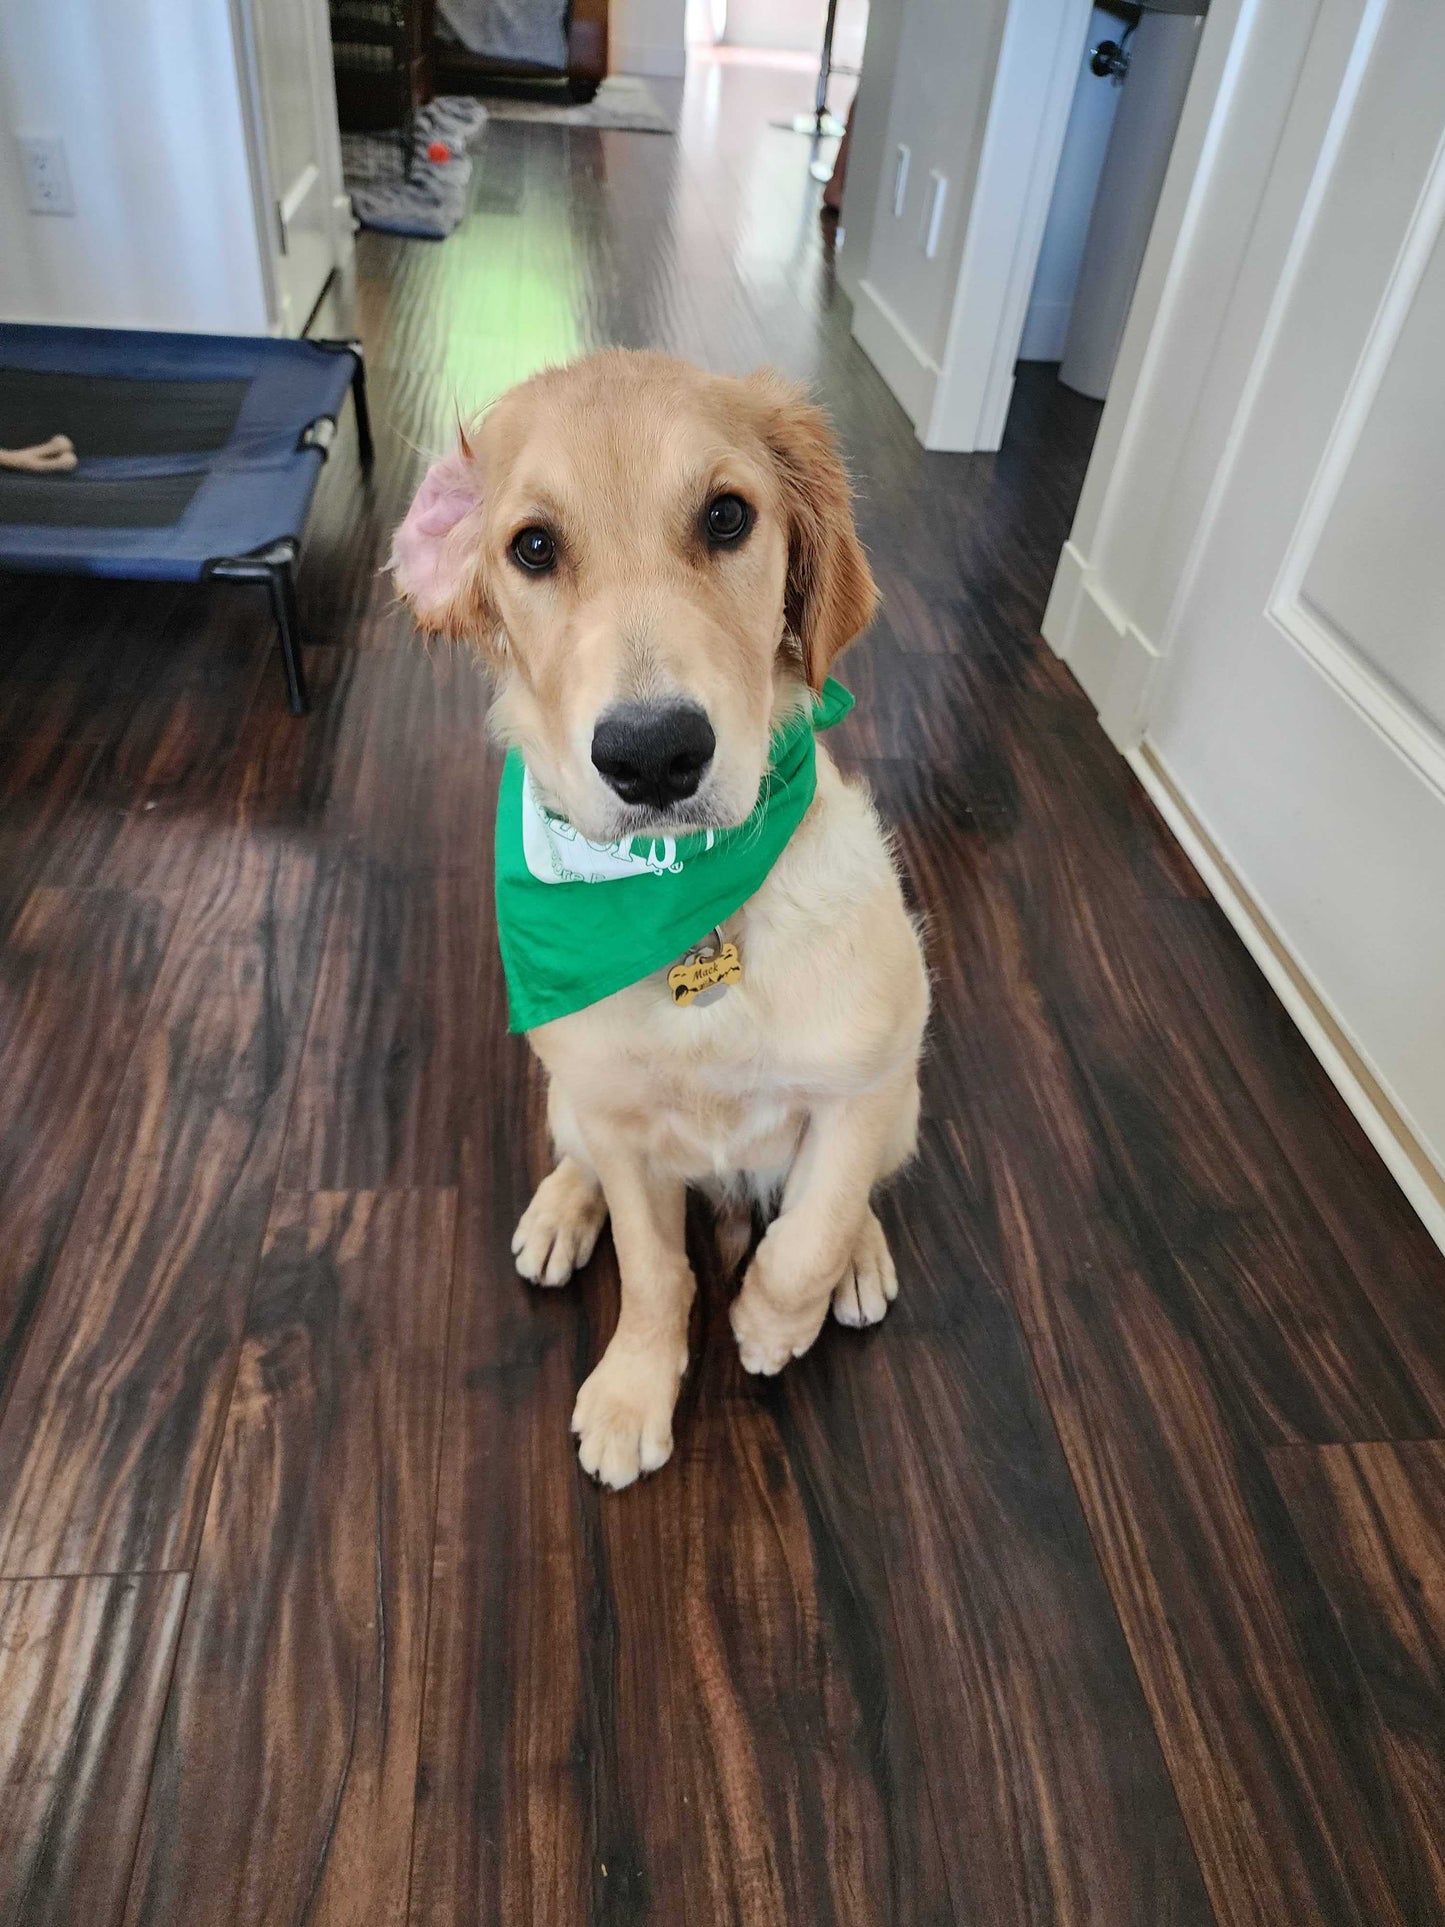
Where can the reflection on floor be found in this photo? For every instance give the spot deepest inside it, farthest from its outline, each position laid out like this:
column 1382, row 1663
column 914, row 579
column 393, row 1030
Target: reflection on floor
column 1101, row 1584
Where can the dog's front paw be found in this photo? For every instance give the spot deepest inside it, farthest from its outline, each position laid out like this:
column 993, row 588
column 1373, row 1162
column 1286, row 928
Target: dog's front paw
column 560, row 1227
column 623, row 1414
column 870, row 1283
column 770, row 1330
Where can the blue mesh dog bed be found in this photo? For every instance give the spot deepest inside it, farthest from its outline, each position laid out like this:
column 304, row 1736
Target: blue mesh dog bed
column 197, row 456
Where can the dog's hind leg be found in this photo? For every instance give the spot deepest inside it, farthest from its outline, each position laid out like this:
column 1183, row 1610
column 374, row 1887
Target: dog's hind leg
column 560, row 1227
column 869, row 1284
column 733, row 1214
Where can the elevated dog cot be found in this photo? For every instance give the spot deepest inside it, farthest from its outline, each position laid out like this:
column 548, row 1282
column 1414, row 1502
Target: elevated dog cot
column 195, row 456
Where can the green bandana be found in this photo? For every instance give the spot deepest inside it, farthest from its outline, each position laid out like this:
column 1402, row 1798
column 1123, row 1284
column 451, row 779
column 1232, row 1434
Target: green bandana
column 567, row 943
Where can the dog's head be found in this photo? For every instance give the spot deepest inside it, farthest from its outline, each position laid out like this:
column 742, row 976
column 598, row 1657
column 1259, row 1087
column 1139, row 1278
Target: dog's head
column 658, row 564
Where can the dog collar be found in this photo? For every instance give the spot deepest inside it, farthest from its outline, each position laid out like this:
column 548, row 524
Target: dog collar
column 578, row 921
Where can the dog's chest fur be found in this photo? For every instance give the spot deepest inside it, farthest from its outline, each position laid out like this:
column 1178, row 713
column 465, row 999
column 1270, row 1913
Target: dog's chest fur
column 727, row 1087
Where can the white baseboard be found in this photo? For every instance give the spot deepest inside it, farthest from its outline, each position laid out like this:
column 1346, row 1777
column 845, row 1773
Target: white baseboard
column 907, row 368
column 1406, row 1158
column 658, row 60
column 1113, row 659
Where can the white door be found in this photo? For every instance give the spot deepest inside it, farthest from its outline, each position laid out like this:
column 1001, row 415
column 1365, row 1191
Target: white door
column 1301, row 708
column 295, row 107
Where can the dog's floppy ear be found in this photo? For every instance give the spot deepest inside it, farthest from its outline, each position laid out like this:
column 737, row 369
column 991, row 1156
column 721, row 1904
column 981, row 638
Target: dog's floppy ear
column 436, row 560
column 830, row 594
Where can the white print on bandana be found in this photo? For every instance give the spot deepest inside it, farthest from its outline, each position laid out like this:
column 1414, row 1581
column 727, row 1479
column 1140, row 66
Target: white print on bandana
column 556, row 853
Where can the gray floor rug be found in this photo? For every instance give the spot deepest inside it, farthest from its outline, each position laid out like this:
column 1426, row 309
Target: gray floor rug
column 427, row 203
column 624, row 103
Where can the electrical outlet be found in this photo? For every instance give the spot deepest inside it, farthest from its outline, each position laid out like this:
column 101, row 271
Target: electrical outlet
column 47, row 178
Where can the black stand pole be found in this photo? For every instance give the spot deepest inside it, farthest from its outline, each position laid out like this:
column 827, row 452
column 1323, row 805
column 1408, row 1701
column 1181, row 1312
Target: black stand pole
column 825, row 72
column 820, row 124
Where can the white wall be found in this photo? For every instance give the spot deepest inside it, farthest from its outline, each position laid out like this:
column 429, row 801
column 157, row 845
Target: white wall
column 872, row 106
column 942, row 80
column 797, row 26
column 980, row 95
column 144, row 95
column 647, row 37
column 1085, row 143
column 786, row 24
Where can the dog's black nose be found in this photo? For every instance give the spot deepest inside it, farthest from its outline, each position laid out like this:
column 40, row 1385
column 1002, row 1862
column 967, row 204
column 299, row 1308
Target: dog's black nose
column 653, row 753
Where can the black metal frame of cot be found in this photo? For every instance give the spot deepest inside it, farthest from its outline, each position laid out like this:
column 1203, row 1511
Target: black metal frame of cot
column 274, row 566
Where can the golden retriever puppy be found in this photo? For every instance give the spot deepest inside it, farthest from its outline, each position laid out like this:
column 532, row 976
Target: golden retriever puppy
column 659, row 566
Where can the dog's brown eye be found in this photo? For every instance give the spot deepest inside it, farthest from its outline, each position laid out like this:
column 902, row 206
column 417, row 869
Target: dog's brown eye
column 534, row 549
column 728, row 518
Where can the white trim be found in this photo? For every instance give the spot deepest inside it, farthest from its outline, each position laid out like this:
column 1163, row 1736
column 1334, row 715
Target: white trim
column 1405, row 1157
column 326, row 131
column 1082, row 627
column 904, row 364
column 1028, row 115
column 1061, row 611
column 1112, row 658
column 263, row 200
column 328, row 128
column 300, row 190
column 1337, row 657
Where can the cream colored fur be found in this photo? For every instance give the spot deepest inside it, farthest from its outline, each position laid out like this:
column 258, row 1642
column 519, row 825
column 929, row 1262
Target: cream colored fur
column 798, row 1089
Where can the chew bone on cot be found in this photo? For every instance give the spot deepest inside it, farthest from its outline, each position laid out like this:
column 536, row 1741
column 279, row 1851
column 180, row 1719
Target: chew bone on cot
column 44, row 458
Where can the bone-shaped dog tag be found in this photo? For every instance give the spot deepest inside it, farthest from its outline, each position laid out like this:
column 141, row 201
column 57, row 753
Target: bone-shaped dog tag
column 703, row 977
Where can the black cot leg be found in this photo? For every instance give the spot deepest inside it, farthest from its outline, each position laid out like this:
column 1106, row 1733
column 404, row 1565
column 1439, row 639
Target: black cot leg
column 281, row 581
column 276, row 568
column 352, row 346
column 365, row 447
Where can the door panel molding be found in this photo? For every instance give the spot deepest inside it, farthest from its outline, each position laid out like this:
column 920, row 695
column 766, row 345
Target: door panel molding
column 1343, row 658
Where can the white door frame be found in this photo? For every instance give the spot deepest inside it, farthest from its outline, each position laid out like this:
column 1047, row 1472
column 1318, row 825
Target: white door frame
column 1028, row 116
column 1178, row 380
column 323, row 108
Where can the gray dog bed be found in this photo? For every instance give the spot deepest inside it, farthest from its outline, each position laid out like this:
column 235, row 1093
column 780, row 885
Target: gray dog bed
column 427, row 203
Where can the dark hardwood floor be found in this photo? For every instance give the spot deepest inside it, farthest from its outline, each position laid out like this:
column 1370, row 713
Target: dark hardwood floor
column 1102, row 1584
